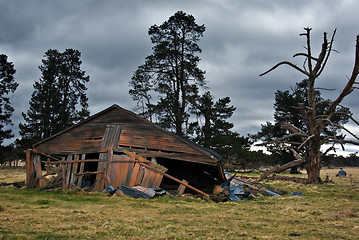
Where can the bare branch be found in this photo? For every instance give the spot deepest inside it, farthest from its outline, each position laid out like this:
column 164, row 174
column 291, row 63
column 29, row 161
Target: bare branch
column 328, row 150
column 324, row 101
column 333, row 140
column 349, row 116
column 327, row 89
column 329, row 51
column 291, row 128
column 305, row 55
column 308, row 29
column 350, row 142
column 347, row 89
column 282, row 168
column 292, row 135
column 323, row 118
column 288, row 63
column 306, row 140
column 281, row 140
column 342, row 142
column 345, row 129
column 321, row 56
column 296, row 154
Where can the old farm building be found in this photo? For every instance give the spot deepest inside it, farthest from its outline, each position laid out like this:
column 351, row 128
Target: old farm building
column 117, row 147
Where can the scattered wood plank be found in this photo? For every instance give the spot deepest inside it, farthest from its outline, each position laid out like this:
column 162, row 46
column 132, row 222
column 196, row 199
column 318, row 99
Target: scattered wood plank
column 181, row 188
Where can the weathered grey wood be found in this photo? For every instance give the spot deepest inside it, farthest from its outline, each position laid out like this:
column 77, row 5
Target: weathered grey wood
column 110, row 140
column 63, row 173
column 82, row 166
column 181, row 188
column 74, row 171
column 37, row 166
column 68, row 172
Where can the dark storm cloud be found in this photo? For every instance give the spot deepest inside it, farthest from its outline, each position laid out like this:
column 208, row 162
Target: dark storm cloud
column 242, row 40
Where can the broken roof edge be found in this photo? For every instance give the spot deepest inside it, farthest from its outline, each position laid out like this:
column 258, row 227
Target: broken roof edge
column 202, row 149
column 75, row 125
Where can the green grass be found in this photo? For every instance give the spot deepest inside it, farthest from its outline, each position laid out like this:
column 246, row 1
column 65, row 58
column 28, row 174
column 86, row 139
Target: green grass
column 328, row 211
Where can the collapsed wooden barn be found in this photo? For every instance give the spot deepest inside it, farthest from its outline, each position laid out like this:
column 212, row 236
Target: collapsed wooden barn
column 117, row 147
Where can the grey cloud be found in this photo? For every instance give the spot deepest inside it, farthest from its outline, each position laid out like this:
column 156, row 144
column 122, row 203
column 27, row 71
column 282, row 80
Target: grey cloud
column 242, row 40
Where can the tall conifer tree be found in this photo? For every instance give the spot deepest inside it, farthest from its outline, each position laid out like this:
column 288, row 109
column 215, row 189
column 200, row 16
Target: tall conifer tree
column 7, row 86
column 171, row 71
column 56, row 97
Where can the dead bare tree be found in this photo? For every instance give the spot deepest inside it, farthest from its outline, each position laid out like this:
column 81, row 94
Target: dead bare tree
column 307, row 150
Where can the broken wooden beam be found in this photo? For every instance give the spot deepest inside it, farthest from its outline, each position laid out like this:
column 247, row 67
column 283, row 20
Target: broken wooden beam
column 153, row 164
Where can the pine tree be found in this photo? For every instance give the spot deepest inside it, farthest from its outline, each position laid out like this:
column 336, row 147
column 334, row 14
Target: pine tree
column 7, row 86
column 213, row 130
column 53, row 104
column 171, row 71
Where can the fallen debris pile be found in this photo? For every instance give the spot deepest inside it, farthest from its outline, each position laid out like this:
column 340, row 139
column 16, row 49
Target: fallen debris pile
column 236, row 189
column 233, row 189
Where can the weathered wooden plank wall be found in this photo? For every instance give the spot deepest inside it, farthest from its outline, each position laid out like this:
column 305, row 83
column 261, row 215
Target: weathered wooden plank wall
column 136, row 133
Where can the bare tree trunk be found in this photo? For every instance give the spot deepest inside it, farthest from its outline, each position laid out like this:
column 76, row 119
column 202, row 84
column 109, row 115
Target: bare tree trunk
column 313, row 169
column 314, row 159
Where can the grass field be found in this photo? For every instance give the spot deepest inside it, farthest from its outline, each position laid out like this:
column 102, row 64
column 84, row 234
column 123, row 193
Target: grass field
column 327, row 211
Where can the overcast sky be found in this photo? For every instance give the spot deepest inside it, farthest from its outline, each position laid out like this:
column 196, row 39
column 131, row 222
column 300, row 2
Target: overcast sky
column 242, row 40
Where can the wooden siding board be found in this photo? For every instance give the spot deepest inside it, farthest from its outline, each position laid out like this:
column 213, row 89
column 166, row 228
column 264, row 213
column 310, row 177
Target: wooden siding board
column 158, row 180
column 114, row 179
column 141, row 172
column 135, row 172
column 146, row 153
column 74, row 171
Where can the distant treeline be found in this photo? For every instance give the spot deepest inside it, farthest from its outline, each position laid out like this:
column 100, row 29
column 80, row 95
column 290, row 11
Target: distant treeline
column 340, row 161
column 257, row 160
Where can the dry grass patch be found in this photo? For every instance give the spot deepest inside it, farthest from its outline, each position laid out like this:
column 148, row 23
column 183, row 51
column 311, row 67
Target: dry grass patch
column 327, row 211
column 12, row 174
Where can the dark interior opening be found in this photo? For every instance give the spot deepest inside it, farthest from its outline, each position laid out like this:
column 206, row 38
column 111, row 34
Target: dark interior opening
column 200, row 176
column 91, row 167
